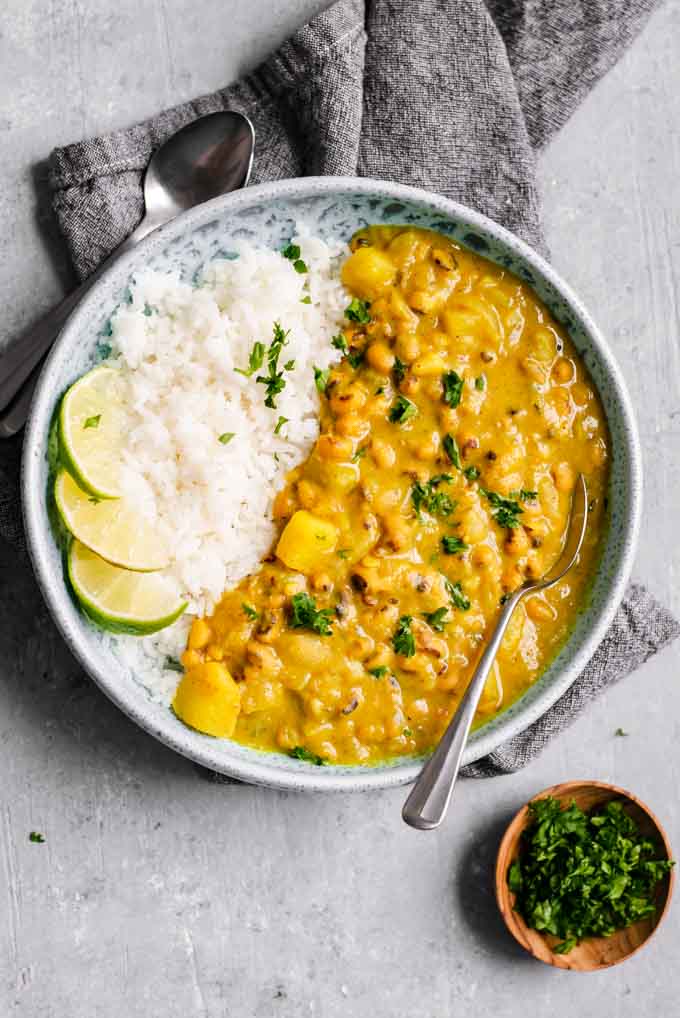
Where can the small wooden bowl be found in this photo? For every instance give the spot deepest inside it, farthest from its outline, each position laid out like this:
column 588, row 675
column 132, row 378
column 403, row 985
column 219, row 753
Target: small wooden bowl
column 594, row 952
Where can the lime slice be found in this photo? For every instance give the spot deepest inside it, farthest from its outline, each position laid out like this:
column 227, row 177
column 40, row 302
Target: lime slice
column 91, row 431
column 110, row 527
column 118, row 600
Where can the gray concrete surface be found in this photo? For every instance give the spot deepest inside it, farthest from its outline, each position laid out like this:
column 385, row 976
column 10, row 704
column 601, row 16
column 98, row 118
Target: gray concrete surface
column 157, row 893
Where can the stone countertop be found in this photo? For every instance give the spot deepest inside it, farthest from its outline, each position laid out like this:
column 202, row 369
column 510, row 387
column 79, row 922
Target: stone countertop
column 158, row 893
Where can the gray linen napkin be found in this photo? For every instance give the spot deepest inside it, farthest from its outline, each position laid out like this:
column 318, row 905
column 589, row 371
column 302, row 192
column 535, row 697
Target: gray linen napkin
column 457, row 96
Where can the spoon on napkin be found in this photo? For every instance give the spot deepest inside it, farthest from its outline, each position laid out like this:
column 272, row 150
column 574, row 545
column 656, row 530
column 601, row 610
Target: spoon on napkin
column 204, row 159
column 428, row 801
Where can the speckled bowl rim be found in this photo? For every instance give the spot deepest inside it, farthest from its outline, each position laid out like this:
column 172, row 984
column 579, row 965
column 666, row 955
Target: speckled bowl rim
column 271, row 769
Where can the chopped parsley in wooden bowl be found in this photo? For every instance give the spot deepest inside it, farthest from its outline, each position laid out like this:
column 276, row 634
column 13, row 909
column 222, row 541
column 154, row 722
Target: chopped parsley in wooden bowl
column 584, row 875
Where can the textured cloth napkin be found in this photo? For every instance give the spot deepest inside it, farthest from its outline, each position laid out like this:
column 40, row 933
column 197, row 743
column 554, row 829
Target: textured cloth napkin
column 457, row 96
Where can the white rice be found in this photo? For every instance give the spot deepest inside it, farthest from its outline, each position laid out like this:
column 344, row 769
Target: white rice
column 178, row 346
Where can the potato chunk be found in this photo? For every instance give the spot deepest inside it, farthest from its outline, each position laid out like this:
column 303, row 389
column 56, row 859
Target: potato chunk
column 305, row 541
column 208, row 699
column 368, row 272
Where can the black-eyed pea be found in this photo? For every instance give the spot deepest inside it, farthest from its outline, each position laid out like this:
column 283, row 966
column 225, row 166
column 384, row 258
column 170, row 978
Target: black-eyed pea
column 483, row 556
column 448, row 418
column 563, row 370
column 564, row 477
column 581, row 393
column 398, row 532
column 383, row 453
column 511, row 578
column 428, row 447
column 448, row 680
column 534, row 565
column 410, row 385
column 543, row 344
column 407, row 346
column 429, row 364
column 334, row 447
column 308, row 494
column 473, row 526
column 351, row 424
column 380, row 357
column 322, row 582
column 538, row 609
column 394, row 724
column 348, row 401
column 517, row 542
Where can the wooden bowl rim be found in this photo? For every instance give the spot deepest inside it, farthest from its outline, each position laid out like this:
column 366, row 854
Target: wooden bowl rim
column 512, row 834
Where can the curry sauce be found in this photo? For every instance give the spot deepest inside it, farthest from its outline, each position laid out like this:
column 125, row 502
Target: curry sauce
column 452, row 432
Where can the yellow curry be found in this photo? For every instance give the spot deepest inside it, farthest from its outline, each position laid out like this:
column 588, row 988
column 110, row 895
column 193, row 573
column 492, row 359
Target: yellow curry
column 451, row 435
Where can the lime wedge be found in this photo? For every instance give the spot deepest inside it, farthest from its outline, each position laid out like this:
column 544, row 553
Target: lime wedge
column 119, row 600
column 91, row 431
column 110, row 527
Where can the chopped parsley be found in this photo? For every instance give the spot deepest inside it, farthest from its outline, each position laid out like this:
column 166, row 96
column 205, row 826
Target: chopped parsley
column 408, row 732
column 300, row 753
column 279, row 424
column 437, row 619
column 453, row 545
column 357, row 311
column 403, row 640
column 249, row 611
column 584, row 874
column 472, row 473
column 226, row 437
column 505, row 511
column 452, row 451
column 356, row 358
column 620, row 731
column 273, row 380
column 305, row 615
column 306, row 300
column 359, row 454
column 402, row 410
column 173, row 664
column 255, row 360
column 480, row 383
column 342, row 553
column 36, row 838
column 458, row 598
column 92, row 422
column 94, row 500
column 399, row 371
column 340, row 343
column 436, row 503
column 453, row 388
column 292, row 253
column 524, row 496
column 321, row 379
column 379, row 671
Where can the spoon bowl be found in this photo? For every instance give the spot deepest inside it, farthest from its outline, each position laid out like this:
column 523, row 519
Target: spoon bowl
column 204, row 159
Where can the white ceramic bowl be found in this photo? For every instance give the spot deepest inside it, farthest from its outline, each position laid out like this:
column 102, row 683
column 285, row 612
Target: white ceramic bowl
column 267, row 214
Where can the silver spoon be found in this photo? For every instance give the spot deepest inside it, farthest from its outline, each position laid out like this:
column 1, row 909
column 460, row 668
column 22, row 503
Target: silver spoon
column 207, row 158
column 429, row 798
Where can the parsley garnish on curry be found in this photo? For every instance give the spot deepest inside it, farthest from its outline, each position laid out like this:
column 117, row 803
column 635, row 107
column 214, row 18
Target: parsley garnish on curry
column 451, row 435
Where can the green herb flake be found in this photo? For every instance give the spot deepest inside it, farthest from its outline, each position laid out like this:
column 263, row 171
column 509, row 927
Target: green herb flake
column 621, row 732
column 255, row 361
column 291, row 252
column 306, row 300
column 92, row 422
column 359, row 454
column 437, row 619
column 480, row 383
column 305, row 615
column 226, row 437
column 249, row 611
column 402, row 410
column 453, row 545
column 279, row 424
column 343, row 553
column 93, row 499
column 173, row 664
column 453, row 388
column 505, row 511
column 452, row 451
column 584, row 874
column 356, row 358
column 399, row 371
column 321, row 379
column 340, row 343
column 403, row 640
column 408, row 732
column 300, row 266
column 36, row 838
column 424, row 496
column 378, row 672
column 458, row 598
column 273, row 381
column 358, row 311
column 471, row 473
column 301, row 753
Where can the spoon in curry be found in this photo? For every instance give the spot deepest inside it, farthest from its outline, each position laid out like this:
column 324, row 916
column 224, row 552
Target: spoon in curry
column 204, row 159
column 428, row 801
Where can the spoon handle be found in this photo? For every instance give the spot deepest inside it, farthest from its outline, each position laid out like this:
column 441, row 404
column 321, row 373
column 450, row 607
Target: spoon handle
column 429, row 798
